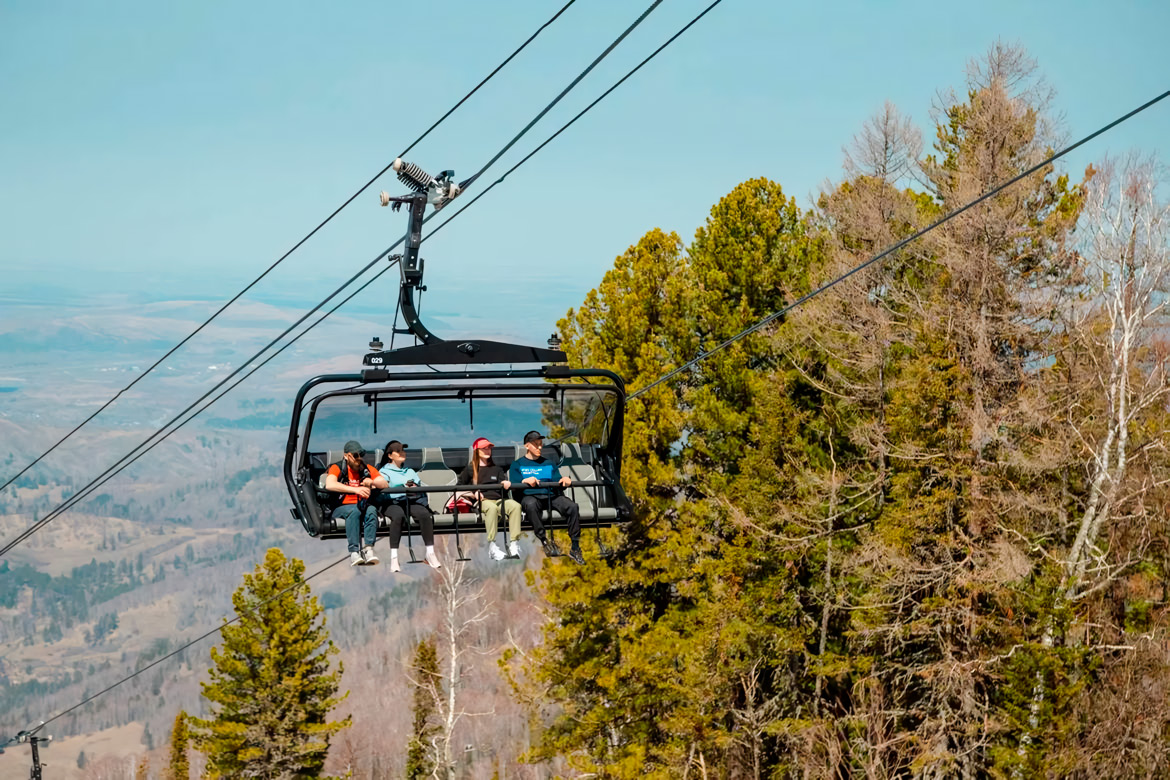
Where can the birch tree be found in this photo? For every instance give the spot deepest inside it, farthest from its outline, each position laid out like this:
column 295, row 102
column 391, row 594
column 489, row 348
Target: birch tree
column 1122, row 325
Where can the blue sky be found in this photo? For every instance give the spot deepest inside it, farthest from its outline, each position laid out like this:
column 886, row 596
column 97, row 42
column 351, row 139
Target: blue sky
column 174, row 150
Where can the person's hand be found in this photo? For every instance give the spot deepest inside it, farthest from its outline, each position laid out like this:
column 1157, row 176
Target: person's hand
column 531, row 481
column 479, row 494
column 363, row 492
column 565, row 482
column 411, row 483
column 506, row 484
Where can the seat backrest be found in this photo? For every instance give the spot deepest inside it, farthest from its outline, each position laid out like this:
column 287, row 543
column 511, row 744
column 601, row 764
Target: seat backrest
column 457, row 458
column 574, row 451
column 576, row 466
column 434, row 473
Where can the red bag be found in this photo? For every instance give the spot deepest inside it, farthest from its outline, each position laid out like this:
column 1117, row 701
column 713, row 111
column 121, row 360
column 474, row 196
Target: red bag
column 463, row 502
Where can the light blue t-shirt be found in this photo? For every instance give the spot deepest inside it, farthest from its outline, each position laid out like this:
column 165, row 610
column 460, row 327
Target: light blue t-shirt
column 398, row 477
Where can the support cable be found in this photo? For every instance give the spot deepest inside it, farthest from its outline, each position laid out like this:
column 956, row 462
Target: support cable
column 295, row 247
column 194, row 641
column 894, row 248
column 128, row 461
column 124, row 461
column 580, row 114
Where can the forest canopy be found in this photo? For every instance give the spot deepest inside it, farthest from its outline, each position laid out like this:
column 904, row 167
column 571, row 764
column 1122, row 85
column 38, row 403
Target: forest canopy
column 917, row 526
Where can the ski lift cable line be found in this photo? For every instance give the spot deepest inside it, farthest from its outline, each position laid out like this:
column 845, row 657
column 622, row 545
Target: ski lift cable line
column 86, row 492
column 101, row 480
column 174, row 653
column 580, row 114
column 294, row 248
column 121, row 462
column 894, row 248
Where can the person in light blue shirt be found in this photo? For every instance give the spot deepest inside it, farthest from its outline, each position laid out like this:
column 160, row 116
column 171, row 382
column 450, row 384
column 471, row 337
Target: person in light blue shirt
column 395, row 504
column 526, row 474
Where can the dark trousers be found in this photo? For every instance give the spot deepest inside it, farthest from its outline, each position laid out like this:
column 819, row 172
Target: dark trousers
column 396, row 512
column 534, row 505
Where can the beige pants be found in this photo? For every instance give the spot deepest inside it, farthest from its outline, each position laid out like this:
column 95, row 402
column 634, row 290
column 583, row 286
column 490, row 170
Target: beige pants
column 491, row 517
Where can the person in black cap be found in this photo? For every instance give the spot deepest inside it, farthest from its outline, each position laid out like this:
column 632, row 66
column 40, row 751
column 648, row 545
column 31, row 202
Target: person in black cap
column 396, row 505
column 354, row 479
column 526, row 474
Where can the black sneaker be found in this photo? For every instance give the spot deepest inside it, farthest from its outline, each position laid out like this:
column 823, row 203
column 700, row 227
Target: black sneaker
column 550, row 548
column 575, row 555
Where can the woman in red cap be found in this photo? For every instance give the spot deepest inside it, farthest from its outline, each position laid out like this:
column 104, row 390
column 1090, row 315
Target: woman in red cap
column 482, row 470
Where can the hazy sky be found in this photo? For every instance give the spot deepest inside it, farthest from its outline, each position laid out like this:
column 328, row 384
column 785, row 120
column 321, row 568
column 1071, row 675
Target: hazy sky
column 174, row 150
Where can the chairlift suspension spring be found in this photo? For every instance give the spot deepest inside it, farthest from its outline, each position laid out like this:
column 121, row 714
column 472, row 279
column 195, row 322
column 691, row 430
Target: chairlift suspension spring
column 413, row 176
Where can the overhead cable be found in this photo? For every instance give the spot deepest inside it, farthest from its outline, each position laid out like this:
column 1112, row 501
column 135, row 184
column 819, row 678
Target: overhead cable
column 142, row 450
column 92, row 487
column 122, row 462
column 174, row 653
column 894, row 248
column 294, row 248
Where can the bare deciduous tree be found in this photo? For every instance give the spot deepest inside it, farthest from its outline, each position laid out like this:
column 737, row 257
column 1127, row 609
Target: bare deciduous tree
column 1127, row 256
column 462, row 609
column 887, row 147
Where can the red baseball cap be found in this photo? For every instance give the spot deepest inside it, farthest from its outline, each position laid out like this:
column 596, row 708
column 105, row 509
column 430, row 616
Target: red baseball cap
column 480, row 443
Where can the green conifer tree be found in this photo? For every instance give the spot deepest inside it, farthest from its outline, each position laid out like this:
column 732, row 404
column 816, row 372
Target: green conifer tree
column 419, row 752
column 271, row 685
column 178, row 768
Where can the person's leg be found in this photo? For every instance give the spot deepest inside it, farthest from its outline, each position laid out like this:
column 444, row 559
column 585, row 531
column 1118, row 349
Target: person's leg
column 348, row 515
column 572, row 514
column 426, row 521
column 397, row 516
column 370, row 527
column 532, row 508
column 491, row 517
column 512, row 508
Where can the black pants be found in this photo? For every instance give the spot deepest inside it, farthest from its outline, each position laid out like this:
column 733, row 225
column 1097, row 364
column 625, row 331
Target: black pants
column 533, row 505
column 396, row 512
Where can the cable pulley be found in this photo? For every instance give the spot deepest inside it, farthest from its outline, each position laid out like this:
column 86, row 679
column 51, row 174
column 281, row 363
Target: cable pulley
column 439, row 191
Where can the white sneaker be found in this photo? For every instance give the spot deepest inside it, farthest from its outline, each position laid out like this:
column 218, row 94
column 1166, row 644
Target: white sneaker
column 495, row 552
column 433, row 561
column 514, row 549
column 355, row 559
column 370, row 557
column 394, row 563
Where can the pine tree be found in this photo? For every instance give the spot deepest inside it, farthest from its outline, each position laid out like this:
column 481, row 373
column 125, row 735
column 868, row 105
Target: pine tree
column 271, row 685
column 420, row 761
column 179, row 768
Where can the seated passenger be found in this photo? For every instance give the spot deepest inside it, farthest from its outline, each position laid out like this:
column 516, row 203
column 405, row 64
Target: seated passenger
column 396, row 505
column 482, row 470
column 355, row 511
column 533, row 469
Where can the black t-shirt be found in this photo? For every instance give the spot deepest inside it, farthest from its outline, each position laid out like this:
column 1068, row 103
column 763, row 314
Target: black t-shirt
column 487, row 475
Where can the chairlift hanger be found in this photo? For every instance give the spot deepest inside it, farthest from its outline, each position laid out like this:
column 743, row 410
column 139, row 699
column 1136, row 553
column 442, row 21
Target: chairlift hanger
column 469, row 378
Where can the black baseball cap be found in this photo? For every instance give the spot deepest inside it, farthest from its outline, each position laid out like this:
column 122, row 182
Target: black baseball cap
column 533, row 436
column 353, row 447
column 396, row 446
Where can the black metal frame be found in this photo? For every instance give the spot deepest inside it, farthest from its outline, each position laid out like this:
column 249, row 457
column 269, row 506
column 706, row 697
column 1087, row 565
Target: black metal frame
column 303, row 490
column 433, row 351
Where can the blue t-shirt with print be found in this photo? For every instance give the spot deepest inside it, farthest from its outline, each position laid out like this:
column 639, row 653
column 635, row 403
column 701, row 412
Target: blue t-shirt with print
column 542, row 468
